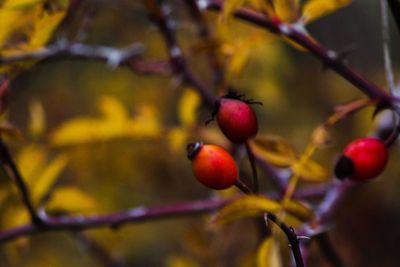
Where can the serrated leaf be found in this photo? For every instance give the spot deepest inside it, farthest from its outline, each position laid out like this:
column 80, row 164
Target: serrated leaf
column 315, row 9
column 247, row 206
column 310, row 171
column 287, row 10
column 70, row 199
column 37, row 119
column 187, row 107
column 299, row 210
column 268, row 254
column 48, row 177
column 275, row 150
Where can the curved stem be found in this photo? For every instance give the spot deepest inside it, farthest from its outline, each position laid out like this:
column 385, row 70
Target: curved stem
column 252, row 161
column 328, row 57
column 291, row 236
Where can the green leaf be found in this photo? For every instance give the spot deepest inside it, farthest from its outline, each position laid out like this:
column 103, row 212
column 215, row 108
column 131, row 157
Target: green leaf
column 275, row 150
column 247, row 206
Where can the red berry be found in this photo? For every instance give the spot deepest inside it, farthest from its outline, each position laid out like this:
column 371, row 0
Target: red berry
column 212, row 165
column 363, row 159
column 237, row 120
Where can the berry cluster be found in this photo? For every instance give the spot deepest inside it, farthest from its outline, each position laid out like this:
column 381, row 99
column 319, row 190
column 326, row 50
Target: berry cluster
column 362, row 160
column 212, row 165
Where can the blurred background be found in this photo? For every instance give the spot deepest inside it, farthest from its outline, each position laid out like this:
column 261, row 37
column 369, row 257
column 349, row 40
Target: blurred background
column 108, row 171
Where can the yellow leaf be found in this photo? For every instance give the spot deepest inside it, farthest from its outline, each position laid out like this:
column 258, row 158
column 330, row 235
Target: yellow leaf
column 310, row 171
column 299, row 210
column 230, row 7
column 287, row 10
column 31, row 161
column 69, row 199
column 112, row 109
column 268, row 254
column 11, row 4
column 44, row 28
column 180, row 261
column 15, row 21
column 321, row 137
column 37, row 119
column 14, row 215
column 145, row 124
column 262, row 5
column 177, row 139
column 187, row 107
column 275, row 150
column 315, row 9
column 246, row 206
column 48, row 177
column 80, row 131
column 114, row 124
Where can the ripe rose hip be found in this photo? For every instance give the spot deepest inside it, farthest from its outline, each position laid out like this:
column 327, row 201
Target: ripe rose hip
column 362, row 160
column 236, row 118
column 212, row 165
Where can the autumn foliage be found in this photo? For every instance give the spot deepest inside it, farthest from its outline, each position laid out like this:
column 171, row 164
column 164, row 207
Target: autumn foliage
column 100, row 99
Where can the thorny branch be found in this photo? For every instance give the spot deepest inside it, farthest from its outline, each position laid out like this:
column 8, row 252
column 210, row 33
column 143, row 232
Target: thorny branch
column 157, row 15
column 333, row 194
column 114, row 220
column 328, row 57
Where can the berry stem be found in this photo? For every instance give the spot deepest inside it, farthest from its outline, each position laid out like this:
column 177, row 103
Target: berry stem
column 250, row 155
column 243, row 187
column 291, row 236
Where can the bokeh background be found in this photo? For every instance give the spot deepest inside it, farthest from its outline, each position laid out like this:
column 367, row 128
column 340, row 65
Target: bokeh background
column 150, row 169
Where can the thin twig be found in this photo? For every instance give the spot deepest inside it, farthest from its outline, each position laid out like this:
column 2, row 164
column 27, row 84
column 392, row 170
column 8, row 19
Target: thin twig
column 114, row 56
column 157, row 14
column 291, row 236
column 8, row 163
column 252, row 161
column 328, row 57
column 204, row 32
column 116, row 219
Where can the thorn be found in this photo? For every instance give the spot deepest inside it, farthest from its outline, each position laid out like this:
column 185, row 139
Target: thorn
column 303, row 237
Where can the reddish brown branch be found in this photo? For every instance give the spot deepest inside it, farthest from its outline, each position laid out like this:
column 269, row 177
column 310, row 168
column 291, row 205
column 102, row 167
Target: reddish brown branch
column 113, row 220
column 328, row 57
column 165, row 26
